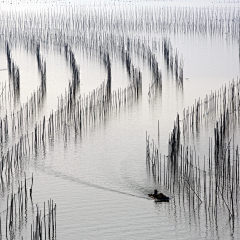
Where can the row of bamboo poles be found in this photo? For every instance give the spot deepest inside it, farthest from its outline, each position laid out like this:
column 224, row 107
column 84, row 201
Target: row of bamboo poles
column 42, row 70
column 213, row 180
column 173, row 62
column 71, row 113
column 222, row 104
column 44, row 226
column 14, row 74
column 16, row 211
column 77, row 112
column 164, row 19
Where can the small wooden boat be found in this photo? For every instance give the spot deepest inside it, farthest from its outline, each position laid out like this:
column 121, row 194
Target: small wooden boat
column 159, row 197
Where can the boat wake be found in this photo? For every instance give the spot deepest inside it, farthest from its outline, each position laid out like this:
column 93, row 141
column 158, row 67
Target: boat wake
column 52, row 172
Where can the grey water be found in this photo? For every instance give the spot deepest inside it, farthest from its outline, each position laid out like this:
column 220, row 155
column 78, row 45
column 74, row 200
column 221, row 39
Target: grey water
column 98, row 178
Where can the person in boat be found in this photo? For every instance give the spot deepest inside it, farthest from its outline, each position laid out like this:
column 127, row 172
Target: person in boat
column 159, row 195
column 155, row 193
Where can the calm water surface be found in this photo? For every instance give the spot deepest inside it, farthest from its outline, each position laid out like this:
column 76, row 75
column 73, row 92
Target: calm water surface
column 98, row 177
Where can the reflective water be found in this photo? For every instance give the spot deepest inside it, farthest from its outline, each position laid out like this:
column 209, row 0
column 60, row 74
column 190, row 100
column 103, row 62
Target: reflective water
column 98, row 177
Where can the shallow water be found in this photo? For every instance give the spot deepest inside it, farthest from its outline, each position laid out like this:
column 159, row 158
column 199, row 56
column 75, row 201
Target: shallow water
column 98, row 177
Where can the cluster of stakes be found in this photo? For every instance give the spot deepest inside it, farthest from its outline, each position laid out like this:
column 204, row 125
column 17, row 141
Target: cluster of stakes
column 13, row 74
column 213, row 180
column 45, row 225
column 134, row 19
column 172, row 61
column 98, row 33
column 42, row 70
